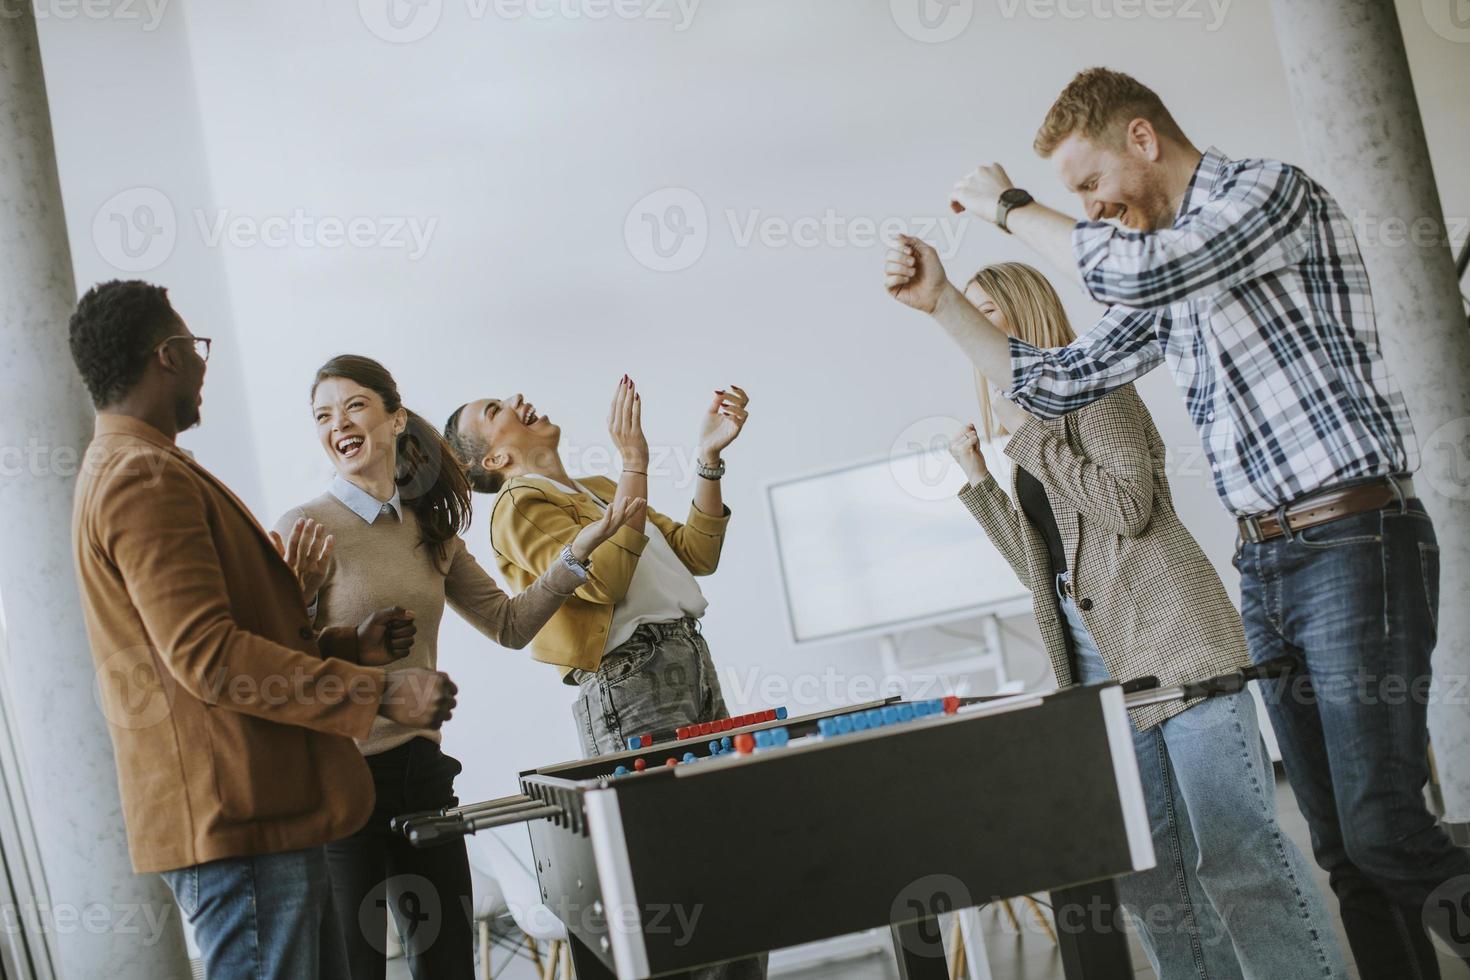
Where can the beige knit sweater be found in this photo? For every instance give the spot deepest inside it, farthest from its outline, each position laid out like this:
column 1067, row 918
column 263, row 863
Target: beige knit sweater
column 382, row 564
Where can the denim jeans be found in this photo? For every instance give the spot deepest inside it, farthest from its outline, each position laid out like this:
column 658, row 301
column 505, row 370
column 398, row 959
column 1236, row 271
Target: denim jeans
column 1354, row 601
column 1230, row 894
column 265, row 917
column 659, row 679
column 428, row 889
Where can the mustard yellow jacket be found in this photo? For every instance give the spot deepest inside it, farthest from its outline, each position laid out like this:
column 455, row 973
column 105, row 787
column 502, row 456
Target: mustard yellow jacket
column 531, row 521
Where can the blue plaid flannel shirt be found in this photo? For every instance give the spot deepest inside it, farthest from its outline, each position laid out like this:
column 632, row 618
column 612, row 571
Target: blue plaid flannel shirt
column 1258, row 300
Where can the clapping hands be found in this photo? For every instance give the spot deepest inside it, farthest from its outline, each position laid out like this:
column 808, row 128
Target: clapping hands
column 308, row 552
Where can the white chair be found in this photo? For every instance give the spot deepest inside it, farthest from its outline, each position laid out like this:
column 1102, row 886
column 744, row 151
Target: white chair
column 522, row 897
column 489, row 905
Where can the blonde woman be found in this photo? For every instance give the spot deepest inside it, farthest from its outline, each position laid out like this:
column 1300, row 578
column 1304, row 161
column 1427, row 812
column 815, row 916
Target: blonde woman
column 1122, row 590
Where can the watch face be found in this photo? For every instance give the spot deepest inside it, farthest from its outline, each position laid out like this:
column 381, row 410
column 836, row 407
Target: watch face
column 1014, row 196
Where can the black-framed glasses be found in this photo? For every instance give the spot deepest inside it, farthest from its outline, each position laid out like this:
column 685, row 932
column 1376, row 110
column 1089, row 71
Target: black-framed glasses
column 201, row 345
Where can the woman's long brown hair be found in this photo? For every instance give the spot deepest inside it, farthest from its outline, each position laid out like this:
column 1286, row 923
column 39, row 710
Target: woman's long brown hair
column 430, row 480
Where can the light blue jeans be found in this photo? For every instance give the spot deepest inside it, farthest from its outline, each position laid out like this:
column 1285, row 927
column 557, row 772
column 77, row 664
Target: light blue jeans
column 266, row 917
column 1230, row 894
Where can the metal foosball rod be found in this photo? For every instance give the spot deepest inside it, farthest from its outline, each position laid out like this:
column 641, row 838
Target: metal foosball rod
column 1140, row 692
column 518, row 801
column 431, row 830
column 1232, row 683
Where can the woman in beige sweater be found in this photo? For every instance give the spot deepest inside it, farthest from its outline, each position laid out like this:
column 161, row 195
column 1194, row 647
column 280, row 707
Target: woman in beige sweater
column 1122, row 590
column 387, row 533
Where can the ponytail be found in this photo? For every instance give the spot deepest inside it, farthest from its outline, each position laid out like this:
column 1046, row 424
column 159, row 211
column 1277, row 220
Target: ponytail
column 432, row 484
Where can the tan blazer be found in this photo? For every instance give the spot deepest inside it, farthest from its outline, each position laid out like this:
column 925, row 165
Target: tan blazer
column 532, row 521
column 233, row 736
column 1150, row 598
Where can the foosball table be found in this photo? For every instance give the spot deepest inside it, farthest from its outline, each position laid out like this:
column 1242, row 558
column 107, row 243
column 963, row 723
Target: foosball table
column 726, row 840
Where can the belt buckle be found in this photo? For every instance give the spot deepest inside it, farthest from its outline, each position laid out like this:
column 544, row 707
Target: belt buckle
column 1250, row 530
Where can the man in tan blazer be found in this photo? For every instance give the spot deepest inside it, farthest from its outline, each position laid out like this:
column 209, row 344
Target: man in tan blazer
column 232, row 721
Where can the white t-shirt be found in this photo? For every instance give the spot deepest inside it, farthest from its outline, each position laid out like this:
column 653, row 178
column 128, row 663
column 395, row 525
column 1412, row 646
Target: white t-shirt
column 662, row 588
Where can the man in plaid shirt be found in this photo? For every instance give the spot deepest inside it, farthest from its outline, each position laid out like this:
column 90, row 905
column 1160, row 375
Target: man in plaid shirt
column 1245, row 278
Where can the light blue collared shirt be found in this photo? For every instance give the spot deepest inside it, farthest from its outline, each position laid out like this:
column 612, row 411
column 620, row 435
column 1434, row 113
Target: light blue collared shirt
column 364, row 504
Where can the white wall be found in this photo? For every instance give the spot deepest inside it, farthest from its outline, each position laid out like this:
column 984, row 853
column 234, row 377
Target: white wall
column 524, row 143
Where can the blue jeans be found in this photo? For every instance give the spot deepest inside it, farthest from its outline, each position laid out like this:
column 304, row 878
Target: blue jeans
column 1230, row 894
column 1354, row 602
column 659, row 679
column 266, row 917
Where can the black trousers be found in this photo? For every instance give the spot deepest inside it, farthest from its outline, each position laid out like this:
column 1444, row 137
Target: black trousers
column 427, row 889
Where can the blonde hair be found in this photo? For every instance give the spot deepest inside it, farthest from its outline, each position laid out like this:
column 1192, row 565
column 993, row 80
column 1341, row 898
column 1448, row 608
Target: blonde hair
column 1098, row 103
column 1034, row 313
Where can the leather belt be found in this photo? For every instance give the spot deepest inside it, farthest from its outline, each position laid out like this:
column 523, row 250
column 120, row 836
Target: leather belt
column 1327, row 505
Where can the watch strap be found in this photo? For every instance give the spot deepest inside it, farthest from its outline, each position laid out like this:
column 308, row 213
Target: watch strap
column 571, row 561
column 1004, row 207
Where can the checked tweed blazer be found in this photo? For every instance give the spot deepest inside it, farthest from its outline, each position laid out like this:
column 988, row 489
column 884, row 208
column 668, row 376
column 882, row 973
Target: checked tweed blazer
column 1157, row 605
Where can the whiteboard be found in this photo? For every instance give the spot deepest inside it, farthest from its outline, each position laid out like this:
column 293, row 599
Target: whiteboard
column 885, row 545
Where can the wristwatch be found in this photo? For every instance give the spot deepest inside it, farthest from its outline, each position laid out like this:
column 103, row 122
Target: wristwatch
column 1010, row 199
column 710, row 472
column 574, row 563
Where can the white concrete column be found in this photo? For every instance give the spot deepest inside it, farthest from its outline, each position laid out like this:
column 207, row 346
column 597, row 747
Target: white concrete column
column 1359, row 120
column 100, row 920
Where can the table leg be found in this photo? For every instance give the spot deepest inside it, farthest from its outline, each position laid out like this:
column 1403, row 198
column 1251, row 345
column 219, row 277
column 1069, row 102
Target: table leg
column 1090, row 933
column 585, row 964
column 919, row 948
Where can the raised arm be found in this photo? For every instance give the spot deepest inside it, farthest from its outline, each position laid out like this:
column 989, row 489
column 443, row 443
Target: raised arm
column 914, row 275
column 530, row 531
column 514, row 621
column 155, row 530
column 625, row 425
column 1260, row 223
column 1111, row 479
column 1049, row 383
column 988, row 503
column 698, row 541
column 306, row 547
column 509, row 621
column 1118, row 349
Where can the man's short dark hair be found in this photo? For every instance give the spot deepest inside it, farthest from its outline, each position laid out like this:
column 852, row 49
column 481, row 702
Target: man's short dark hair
column 113, row 331
column 470, row 449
